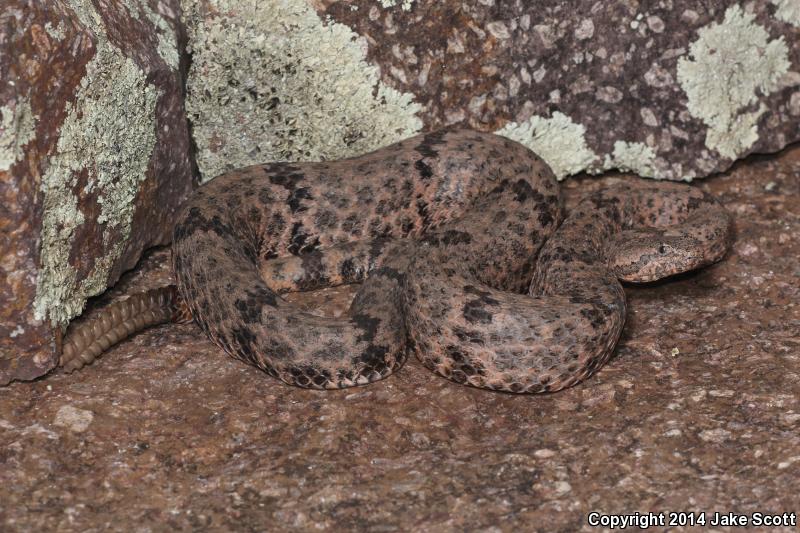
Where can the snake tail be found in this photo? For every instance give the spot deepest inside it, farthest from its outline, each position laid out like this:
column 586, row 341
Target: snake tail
column 88, row 338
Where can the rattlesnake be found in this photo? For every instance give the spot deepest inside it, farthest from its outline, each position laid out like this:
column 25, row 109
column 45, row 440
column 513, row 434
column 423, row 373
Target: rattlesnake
column 459, row 242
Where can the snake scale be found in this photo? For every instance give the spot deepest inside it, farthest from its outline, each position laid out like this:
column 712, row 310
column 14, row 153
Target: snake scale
column 465, row 259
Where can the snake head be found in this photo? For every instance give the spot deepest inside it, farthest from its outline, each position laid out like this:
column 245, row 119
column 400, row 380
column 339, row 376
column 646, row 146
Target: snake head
column 649, row 254
column 639, row 256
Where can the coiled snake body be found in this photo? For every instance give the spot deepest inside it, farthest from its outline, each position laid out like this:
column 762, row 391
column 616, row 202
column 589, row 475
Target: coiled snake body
column 458, row 240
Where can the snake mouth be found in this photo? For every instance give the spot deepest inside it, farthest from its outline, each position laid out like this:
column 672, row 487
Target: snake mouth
column 663, row 262
column 656, row 276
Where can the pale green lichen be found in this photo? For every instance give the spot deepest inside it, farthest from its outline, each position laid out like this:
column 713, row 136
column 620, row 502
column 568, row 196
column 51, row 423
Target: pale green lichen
column 271, row 81
column 558, row 140
column 404, row 4
column 109, row 133
column 17, row 127
column 167, row 46
column 729, row 62
column 739, row 134
column 632, row 157
column 788, row 11
column 56, row 32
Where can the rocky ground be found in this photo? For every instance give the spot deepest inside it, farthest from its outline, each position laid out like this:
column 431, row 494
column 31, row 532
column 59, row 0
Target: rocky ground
column 698, row 411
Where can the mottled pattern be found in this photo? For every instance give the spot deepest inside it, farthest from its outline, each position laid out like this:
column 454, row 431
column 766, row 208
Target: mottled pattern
column 567, row 324
column 312, row 225
column 443, row 230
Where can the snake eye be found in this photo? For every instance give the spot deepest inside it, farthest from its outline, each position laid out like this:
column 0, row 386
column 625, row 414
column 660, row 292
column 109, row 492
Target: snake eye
column 662, row 249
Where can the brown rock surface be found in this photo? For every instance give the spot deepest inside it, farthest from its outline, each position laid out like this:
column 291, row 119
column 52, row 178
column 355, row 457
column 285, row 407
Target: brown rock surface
column 94, row 159
column 698, row 411
column 684, row 80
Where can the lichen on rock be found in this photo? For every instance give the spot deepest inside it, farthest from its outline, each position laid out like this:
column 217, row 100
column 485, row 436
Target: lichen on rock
column 109, row 133
column 788, row 11
column 272, row 81
column 558, row 140
column 16, row 128
column 404, row 4
column 725, row 68
column 167, row 46
column 634, row 157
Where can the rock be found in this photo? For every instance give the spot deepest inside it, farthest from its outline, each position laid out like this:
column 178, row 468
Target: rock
column 673, row 90
column 271, row 81
column 94, row 159
column 72, row 418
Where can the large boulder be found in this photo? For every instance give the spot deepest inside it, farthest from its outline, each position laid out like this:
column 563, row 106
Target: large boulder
column 671, row 90
column 94, row 159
